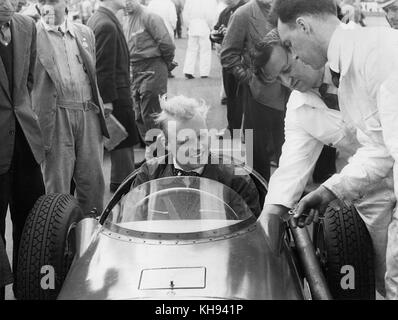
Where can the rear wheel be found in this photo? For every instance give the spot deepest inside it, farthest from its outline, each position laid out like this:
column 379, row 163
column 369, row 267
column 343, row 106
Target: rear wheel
column 47, row 247
column 345, row 251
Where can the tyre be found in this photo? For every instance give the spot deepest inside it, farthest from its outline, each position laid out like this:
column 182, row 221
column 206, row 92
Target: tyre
column 345, row 250
column 47, row 240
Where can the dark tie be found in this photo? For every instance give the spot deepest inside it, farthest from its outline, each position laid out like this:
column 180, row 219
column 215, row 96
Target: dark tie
column 330, row 99
column 335, row 78
column 181, row 173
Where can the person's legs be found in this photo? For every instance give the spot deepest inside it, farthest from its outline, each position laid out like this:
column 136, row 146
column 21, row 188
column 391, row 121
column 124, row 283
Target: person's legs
column 27, row 187
column 88, row 175
column 234, row 108
column 59, row 164
column 205, row 56
column 256, row 119
column 191, row 55
column 122, row 164
column 376, row 210
column 392, row 259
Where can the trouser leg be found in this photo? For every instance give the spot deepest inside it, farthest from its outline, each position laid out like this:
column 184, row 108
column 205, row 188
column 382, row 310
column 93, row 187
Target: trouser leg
column 191, row 55
column 27, row 187
column 122, row 164
column 205, row 56
column 88, row 175
column 60, row 160
column 257, row 118
column 234, row 105
column 392, row 259
column 376, row 210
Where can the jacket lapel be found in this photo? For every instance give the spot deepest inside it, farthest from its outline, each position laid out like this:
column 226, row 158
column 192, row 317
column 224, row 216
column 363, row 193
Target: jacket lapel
column 21, row 41
column 46, row 54
column 4, row 80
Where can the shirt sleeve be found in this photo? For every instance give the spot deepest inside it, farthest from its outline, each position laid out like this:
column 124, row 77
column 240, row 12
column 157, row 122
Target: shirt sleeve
column 157, row 29
column 374, row 160
column 300, row 153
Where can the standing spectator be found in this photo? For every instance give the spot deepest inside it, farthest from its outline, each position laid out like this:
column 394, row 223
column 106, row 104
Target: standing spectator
column 66, row 98
column 151, row 52
column 200, row 17
column 364, row 66
column 114, row 84
column 86, row 10
column 21, row 151
column 179, row 4
column 231, row 84
column 264, row 106
column 390, row 7
column 167, row 11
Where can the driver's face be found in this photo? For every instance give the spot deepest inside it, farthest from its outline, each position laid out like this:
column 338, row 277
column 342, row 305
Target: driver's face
column 188, row 141
column 286, row 68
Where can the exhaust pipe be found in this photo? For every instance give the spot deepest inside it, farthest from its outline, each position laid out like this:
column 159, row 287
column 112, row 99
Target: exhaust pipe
column 312, row 269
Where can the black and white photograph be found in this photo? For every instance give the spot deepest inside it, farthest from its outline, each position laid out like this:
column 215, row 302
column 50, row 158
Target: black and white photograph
column 209, row 151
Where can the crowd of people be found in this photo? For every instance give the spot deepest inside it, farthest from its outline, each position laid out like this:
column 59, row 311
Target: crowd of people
column 313, row 85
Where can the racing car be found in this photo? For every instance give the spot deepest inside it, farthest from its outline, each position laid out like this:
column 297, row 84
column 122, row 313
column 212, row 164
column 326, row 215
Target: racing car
column 189, row 238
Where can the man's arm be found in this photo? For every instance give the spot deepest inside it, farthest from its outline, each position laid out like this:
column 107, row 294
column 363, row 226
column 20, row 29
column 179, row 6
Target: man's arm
column 33, row 55
column 159, row 33
column 106, row 49
column 300, row 152
column 234, row 47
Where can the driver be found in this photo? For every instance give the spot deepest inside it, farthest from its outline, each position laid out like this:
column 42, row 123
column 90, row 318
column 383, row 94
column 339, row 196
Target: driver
column 313, row 119
column 186, row 137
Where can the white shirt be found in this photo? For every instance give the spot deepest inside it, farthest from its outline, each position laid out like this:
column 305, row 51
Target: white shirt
column 167, row 10
column 367, row 60
column 200, row 16
column 309, row 125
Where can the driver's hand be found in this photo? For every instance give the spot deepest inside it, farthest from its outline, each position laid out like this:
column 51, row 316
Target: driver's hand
column 309, row 208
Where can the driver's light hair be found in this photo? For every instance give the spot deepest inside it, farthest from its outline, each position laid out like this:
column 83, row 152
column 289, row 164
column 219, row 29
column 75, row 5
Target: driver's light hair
column 179, row 108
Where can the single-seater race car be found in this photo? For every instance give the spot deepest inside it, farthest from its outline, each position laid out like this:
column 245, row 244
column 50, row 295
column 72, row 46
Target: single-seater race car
column 189, row 238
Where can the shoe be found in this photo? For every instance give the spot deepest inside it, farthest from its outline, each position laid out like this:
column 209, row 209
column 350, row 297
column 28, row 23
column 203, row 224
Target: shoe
column 204, row 77
column 189, row 76
column 224, row 101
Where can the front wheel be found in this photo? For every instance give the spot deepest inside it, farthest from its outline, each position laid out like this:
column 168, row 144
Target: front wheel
column 344, row 248
column 47, row 245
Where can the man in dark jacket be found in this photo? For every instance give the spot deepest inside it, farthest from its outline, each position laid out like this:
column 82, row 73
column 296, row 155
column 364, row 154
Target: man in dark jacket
column 114, row 84
column 151, row 56
column 234, row 101
column 264, row 106
column 21, row 151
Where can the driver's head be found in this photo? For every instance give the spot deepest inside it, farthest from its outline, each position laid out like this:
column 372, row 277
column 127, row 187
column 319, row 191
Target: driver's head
column 272, row 61
column 184, row 126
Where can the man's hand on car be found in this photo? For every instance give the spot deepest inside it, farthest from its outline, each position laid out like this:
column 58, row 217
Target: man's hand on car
column 309, row 207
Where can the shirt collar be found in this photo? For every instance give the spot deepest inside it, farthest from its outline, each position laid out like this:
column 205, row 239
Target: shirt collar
column 65, row 27
column 198, row 170
column 341, row 48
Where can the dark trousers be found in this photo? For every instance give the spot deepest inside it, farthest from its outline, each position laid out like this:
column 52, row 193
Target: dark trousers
column 234, row 100
column 149, row 82
column 20, row 187
column 325, row 166
column 267, row 125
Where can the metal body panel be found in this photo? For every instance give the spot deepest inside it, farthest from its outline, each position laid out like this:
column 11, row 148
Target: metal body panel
column 242, row 266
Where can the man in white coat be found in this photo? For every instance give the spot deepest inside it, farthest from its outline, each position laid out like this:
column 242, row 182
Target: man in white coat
column 313, row 120
column 364, row 66
column 200, row 17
